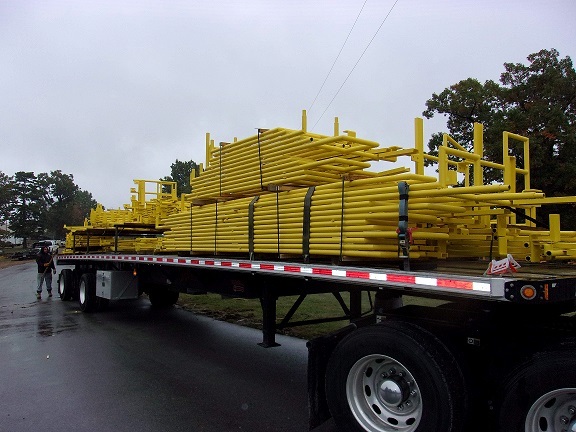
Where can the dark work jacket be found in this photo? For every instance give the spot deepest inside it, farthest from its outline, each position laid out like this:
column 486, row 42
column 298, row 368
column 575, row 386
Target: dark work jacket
column 41, row 259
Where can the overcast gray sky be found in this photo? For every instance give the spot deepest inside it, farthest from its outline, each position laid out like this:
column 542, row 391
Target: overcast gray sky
column 113, row 90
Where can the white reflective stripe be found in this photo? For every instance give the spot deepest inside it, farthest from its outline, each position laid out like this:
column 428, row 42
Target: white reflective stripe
column 306, row 270
column 378, row 276
column 339, row 273
column 278, row 267
column 235, row 264
column 481, row 286
column 426, row 281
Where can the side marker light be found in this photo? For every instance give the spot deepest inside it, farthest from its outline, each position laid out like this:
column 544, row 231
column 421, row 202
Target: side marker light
column 528, row 292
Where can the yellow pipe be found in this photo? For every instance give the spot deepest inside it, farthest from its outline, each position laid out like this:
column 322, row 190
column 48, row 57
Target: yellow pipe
column 554, row 221
column 418, row 158
column 479, row 152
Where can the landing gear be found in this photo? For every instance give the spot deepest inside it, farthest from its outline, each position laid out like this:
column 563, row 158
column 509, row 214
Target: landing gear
column 163, row 298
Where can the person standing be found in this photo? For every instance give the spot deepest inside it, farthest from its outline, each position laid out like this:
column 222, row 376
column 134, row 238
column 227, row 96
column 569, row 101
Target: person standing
column 45, row 267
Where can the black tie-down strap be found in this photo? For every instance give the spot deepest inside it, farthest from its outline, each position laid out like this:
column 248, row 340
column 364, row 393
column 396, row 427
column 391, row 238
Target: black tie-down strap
column 403, row 232
column 251, row 226
column 306, row 224
column 342, row 219
column 216, row 230
column 191, row 233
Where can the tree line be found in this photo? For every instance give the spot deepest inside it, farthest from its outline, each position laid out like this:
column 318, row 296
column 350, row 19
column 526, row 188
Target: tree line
column 37, row 206
column 537, row 100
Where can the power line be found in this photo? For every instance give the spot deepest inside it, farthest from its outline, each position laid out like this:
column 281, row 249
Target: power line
column 356, row 64
column 338, row 56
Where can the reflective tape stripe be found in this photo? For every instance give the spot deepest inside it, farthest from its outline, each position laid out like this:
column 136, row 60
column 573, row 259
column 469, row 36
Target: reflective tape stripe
column 396, row 277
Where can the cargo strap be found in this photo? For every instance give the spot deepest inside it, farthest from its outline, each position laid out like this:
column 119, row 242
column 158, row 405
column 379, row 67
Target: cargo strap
column 220, row 171
column 191, row 242
column 216, row 231
column 306, row 224
column 536, row 222
column 404, row 235
column 278, row 219
column 342, row 220
column 260, row 159
column 251, row 226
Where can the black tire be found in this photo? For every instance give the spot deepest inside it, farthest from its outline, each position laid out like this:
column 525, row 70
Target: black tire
column 66, row 284
column 87, row 293
column 163, row 298
column 395, row 377
column 541, row 395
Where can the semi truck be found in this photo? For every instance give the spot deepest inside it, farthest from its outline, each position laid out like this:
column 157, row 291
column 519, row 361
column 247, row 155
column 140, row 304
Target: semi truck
column 448, row 329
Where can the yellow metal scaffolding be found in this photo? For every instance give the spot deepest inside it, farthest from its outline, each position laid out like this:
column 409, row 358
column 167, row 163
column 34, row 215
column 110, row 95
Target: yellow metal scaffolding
column 296, row 193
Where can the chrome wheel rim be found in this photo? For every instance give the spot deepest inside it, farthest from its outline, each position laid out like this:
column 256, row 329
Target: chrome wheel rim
column 383, row 395
column 554, row 411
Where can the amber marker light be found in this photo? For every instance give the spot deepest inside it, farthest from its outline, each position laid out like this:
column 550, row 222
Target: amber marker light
column 528, row 292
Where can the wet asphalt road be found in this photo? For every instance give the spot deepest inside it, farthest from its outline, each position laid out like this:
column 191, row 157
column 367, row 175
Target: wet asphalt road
column 133, row 368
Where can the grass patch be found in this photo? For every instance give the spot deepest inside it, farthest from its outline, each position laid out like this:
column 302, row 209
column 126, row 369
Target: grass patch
column 247, row 312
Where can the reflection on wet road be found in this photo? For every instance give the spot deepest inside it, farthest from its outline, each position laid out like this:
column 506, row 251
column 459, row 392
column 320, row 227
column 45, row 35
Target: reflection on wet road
column 135, row 368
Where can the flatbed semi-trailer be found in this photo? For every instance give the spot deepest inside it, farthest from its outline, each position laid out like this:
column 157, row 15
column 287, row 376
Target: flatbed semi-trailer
column 491, row 352
column 483, row 343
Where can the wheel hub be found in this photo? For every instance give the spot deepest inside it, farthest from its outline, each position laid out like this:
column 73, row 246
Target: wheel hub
column 556, row 410
column 394, row 391
column 384, row 395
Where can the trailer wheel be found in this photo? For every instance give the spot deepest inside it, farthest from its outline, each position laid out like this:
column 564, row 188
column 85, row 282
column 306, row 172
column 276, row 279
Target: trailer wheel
column 87, row 292
column 66, row 284
column 163, row 298
column 541, row 395
column 395, row 377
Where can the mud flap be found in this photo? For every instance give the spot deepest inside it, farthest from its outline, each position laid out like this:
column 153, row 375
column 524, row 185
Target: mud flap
column 319, row 351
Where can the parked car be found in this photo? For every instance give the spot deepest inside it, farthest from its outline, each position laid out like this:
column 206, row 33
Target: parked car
column 25, row 254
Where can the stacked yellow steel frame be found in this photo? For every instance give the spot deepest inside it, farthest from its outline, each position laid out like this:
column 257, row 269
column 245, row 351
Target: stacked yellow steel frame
column 252, row 199
column 293, row 193
column 136, row 225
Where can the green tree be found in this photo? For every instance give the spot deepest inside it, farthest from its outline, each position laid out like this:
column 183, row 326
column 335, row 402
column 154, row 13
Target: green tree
column 39, row 206
column 28, row 207
column 5, row 200
column 537, row 100
column 5, row 197
column 83, row 203
column 67, row 204
column 180, row 173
